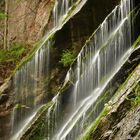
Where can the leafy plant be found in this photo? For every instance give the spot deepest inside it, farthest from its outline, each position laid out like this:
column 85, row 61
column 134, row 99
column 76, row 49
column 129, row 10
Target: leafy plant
column 19, row 106
column 13, row 54
column 67, row 58
column 2, row 15
column 135, row 100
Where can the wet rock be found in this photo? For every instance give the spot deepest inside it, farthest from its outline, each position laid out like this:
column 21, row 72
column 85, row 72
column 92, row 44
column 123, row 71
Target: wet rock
column 4, row 89
column 5, row 113
column 123, row 121
column 3, row 98
column 31, row 18
column 1, row 80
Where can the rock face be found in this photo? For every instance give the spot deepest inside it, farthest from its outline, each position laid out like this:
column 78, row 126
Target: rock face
column 1, row 23
column 6, row 103
column 74, row 34
column 123, row 121
column 27, row 20
column 27, row 24
column 131, row 130
column 127, row 127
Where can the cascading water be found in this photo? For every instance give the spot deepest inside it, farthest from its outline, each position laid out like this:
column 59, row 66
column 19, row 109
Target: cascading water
column 62, row 12
column 29, row 83
column 29, row 87
column 97, row 63
column 61, row 8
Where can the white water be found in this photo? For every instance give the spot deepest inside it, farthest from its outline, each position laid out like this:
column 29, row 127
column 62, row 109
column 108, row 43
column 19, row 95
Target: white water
column 29, row 86
column 91, row 75
column 19, row 134
column 97, row 63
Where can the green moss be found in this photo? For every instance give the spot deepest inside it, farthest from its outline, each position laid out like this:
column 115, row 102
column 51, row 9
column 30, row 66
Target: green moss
column 65, row 87
column 19, row 63
column 100, row 99
column 44, row 108
column 39, row 44
column 136, row 43
column 34, row 131
column 133, row 14
column 29, row 56
column 14, row 54
column 20, row 106
column 2, row 15
column 125, row 83
column 95, row 123
column 37, row 138
column 70, row 12
column 40, row 126
column 105, row 111
column 135, row 101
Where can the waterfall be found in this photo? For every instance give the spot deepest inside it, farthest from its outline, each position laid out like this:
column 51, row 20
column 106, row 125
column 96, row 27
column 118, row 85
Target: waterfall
column 29, row 87
column 60, row 10
column 99, row 60
column 29, row 83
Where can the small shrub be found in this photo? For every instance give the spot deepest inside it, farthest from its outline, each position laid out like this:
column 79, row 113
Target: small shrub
column 2, row 15
column 135, row 100
column 67, row 58
column 20, row 106
column 13, row 54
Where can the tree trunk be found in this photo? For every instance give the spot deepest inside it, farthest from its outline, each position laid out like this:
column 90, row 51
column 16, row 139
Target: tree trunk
column 6, row 44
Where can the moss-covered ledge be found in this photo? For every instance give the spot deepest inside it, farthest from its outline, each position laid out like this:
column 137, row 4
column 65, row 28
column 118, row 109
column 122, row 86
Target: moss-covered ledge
column 128, row 67
column 74, row 10
column 35, row 128
column 134, row 14
column 117, row 107
column 35, row 123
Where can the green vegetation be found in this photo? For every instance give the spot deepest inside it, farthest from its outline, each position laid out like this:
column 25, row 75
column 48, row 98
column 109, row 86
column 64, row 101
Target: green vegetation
column 38, row 138
column 2, row 15
column 19, row 106
column 135, row 100
column 96, row 123
column 136, row 43
column 13, row 54
column 67, row 58
column 34, row 131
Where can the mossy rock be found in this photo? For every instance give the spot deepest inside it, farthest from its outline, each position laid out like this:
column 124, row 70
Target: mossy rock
column 115, row 103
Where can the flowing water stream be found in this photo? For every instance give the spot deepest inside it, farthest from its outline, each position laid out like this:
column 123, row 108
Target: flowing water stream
column 29, row 83
column 99, row 60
